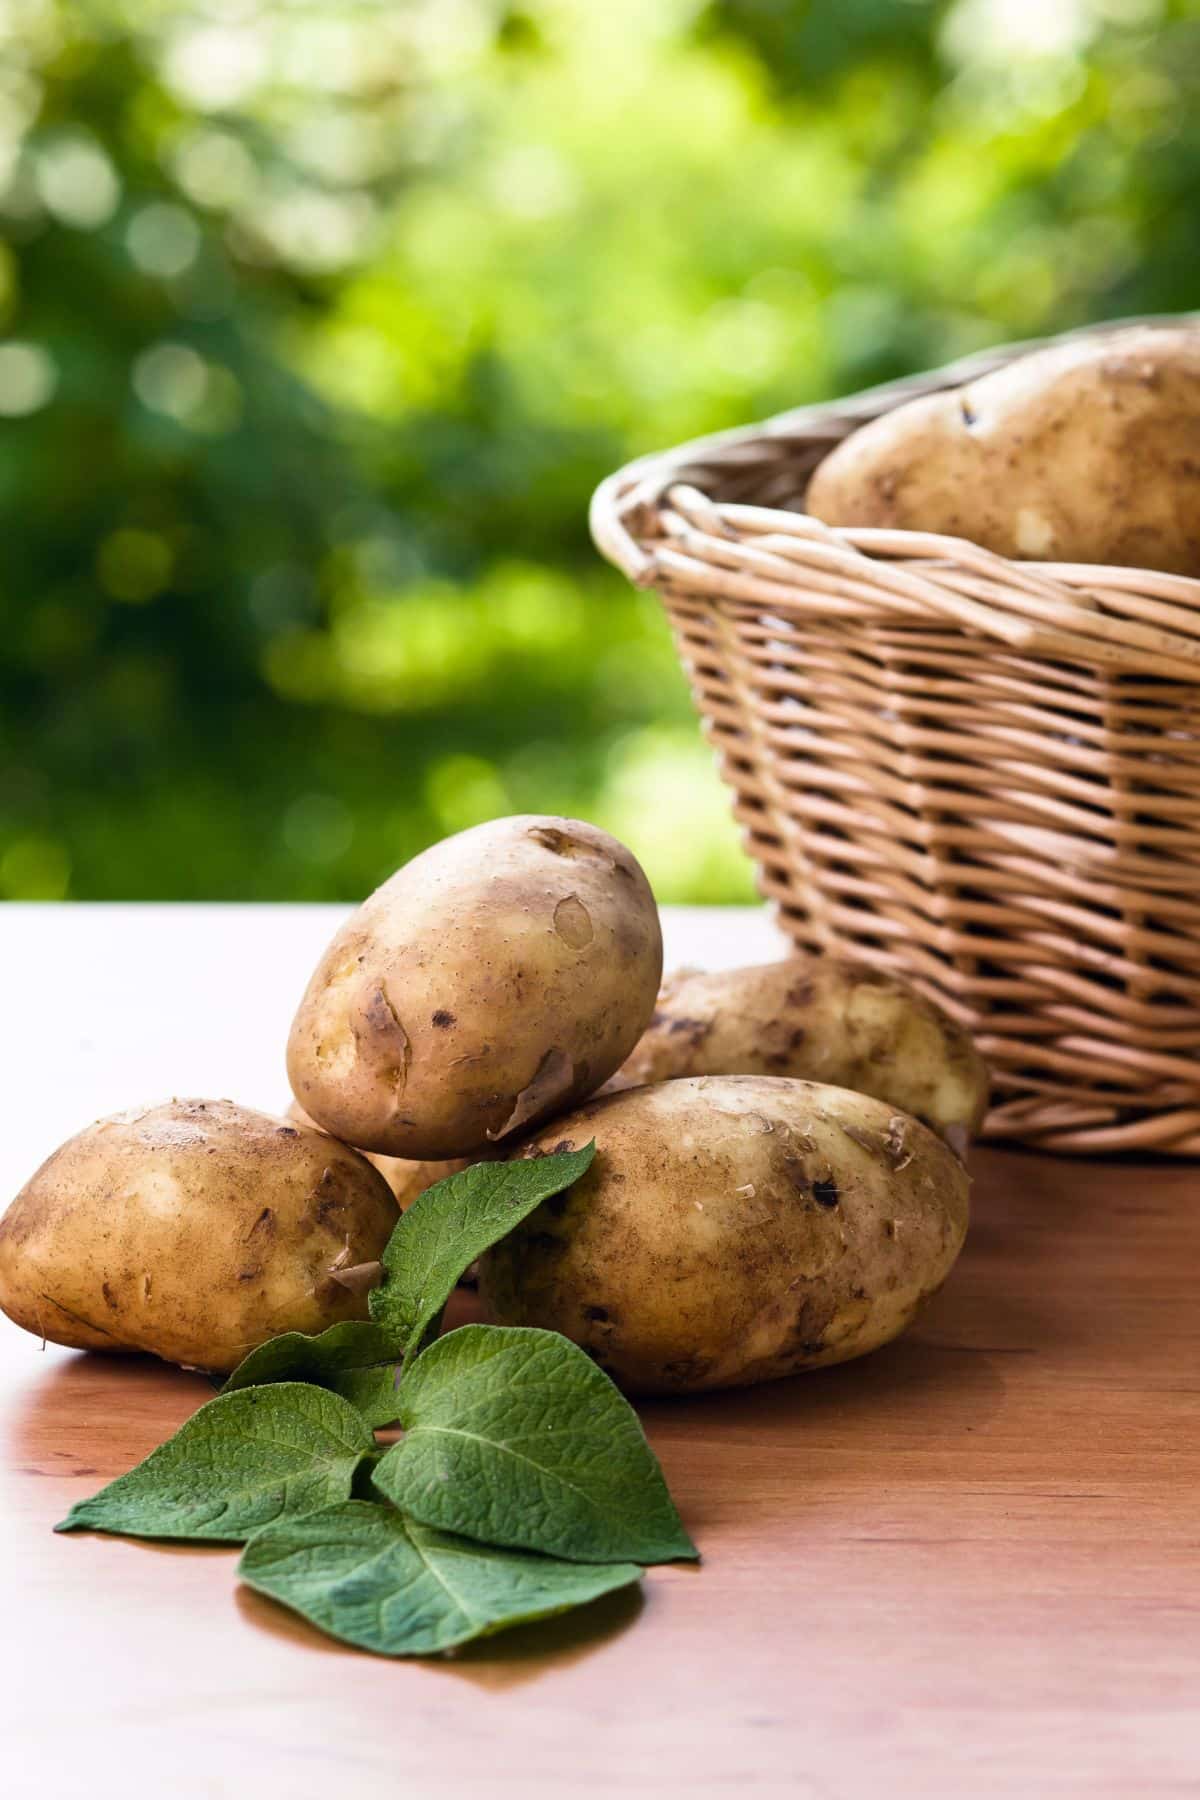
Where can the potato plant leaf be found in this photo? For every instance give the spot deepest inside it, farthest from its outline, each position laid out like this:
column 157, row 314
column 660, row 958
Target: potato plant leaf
column 356, row 1359
column 367, row 1575
column 242, row 1461
column 452, row 1223
column 371, row 1392
column 513, row 1436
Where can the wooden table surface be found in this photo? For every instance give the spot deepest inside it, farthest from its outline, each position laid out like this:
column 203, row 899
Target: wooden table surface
column 968, row 1565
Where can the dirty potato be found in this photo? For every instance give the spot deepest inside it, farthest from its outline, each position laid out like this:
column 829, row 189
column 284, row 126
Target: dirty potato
column 1088, row 451
column 406, row 1179
column 818, row 1019
column 733, row 1229
column 496, row 979
column 193, row 1230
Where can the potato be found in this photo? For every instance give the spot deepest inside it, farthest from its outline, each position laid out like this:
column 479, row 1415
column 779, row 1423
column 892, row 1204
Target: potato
column 193, row 1230
column 406, row 1179
column 818, row 1020
column 1085, row 452
column 494, row 980
column 733, row 1229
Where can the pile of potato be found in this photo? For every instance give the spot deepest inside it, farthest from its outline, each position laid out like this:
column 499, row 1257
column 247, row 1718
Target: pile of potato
column 778, row 1181
column 1088, row 451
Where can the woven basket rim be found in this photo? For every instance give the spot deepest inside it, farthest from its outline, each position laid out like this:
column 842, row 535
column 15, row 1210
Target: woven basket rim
column 655, row 521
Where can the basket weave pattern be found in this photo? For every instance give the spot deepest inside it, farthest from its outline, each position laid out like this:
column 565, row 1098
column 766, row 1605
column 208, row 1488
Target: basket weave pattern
column 981, row 774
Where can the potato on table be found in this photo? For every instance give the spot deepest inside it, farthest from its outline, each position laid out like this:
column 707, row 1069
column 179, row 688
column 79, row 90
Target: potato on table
column 733, row 1229
column 1088, row 451
column 494, row 980
column 818, row 1019
column 195, row 1231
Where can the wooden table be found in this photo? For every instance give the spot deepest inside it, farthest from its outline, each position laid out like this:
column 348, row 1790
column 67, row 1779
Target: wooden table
column 966, row 1566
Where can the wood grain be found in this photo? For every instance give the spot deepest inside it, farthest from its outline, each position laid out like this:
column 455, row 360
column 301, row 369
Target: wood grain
column 965, row 1566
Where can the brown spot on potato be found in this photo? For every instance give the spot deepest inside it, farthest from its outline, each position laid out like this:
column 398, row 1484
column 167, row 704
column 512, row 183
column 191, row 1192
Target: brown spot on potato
column 792, row 1169
column 443, row 1019
column 110, row 1299
column 328, row 1205
column 380, row 1038
column 696, row 1029
column 812, row 1320
column 560, row 843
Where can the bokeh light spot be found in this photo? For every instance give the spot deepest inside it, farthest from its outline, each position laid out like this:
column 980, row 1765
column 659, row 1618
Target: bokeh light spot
column 171, row 379
column 163, row 240
column 134, row 565
column 28, row 379
column 77, row 182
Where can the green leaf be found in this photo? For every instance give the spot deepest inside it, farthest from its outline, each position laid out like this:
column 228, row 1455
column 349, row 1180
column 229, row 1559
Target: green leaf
column 239, row 1463
column 371, row 1392
column 356, row 1359
column 367, row 1575
column 514, row 1436
column 452, row 1223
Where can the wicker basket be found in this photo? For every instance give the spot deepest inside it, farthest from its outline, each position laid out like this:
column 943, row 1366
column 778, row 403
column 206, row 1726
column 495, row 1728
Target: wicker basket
column 980, row 773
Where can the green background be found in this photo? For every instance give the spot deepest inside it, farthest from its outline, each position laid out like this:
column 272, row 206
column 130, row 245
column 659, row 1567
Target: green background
column 321, row 322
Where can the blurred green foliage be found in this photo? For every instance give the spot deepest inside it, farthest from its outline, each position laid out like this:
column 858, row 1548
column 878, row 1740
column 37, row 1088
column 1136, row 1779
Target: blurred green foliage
column 321, row 321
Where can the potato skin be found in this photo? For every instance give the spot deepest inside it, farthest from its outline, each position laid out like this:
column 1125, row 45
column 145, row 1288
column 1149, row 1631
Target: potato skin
column 1083, row 452
column 733, row 1229
column 194, row 1231
column 818, row 1019
column 406, row 1179
column 497, row 978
